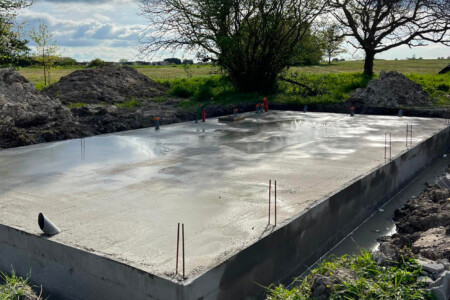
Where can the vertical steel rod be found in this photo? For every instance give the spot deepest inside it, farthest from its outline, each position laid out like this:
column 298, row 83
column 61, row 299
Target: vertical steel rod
column 275, row 203
column 407, row 134
column 182, row 226
column 411, row 143
column 390, row 146
column 385, row 144
column 178, row 247
column 270, row 188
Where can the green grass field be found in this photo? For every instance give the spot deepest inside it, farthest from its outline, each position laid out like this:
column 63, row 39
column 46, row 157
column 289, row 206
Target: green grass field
column 333, row 83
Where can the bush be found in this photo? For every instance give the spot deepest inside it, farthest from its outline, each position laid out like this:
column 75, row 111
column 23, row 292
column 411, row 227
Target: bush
column 96, row 63
column 65, row 61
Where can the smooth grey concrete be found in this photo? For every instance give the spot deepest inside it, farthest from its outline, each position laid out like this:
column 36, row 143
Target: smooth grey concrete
column 119, row 197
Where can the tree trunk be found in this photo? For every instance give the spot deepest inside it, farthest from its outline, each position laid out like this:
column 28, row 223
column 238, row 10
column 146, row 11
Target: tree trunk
column 368, row 63
column 329, row 60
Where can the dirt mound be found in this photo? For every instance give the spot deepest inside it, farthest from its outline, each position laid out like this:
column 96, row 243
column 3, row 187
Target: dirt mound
column 107, row 85
column 422, row 224
column 391, row 89
column 28, row 117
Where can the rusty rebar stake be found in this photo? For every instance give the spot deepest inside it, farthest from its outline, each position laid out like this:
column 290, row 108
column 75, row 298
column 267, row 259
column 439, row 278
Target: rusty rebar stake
column 178, row 247
column 184, row 275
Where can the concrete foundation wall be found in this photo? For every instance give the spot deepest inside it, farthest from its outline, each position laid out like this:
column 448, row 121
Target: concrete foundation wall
column 78, row 274
column 69, row 273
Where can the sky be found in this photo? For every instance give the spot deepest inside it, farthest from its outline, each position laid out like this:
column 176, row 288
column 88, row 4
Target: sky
column 109, row 30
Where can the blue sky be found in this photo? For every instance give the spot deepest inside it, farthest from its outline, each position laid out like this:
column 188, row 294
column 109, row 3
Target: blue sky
column 109, row 29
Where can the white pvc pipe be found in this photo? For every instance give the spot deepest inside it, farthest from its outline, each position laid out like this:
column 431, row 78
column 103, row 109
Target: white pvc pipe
column 47, row 226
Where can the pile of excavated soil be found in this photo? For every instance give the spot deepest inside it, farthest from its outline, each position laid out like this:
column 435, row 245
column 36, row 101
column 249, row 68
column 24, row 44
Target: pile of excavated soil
column 28, row 117
column 105, row 85
column 423, row 232
column 424, row 225
column 390, row 90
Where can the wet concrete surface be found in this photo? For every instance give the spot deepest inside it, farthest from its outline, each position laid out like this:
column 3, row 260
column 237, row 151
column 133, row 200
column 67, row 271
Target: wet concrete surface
column 122, row 195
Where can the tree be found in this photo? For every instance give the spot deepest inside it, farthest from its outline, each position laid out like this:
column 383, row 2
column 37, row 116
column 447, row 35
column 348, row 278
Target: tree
column 380, row 25
column 47, row 52
column 173, row 60
column 252, row 40
column 332, row 41
column 309, row 50
column 97, row 62
column 12, row 46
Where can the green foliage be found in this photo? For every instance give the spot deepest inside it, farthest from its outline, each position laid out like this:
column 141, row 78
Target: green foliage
column 46, row 49
column 252, row 40
column 332, row 41
column 365, row 280
column 436, row 86
column 13, row 287
column 97, row 62
column 131, row 103
column 173, row 60
column 77, row 105
column 308, row 51
column 13, row 47
column 65, row 61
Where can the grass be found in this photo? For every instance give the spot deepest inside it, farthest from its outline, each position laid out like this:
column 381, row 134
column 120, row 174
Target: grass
column 327, row 89
column 364, row 280
column 424, row 66
column 131, row 103
column 13, row 287
column 332, row 83
column 77, row 105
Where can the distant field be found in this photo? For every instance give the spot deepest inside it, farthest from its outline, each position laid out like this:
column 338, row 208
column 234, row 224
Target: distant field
column 422, row 66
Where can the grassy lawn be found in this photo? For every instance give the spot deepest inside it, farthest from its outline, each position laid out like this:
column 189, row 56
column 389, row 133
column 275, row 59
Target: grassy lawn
column 418, row 66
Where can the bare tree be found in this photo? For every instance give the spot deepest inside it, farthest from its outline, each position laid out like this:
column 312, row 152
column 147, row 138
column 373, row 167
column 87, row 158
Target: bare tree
column 252, row 40
column 380, row 25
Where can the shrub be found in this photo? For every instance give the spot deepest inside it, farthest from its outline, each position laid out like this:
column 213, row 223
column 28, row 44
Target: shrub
column 96, row 63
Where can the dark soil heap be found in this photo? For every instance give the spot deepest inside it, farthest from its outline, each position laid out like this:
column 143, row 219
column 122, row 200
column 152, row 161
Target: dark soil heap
column 106, row 85
column 422, row 224
column 28, row 117
column 391, row 89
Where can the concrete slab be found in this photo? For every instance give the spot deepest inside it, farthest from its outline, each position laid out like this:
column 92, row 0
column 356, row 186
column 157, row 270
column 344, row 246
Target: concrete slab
column 122, row 195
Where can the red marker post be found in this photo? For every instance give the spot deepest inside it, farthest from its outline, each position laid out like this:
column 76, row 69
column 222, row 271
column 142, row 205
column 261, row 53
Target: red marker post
column 266, row 104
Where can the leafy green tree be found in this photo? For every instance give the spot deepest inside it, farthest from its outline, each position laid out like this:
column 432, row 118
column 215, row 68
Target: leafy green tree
column 252, row 40
column 12, row 45
column 309, row 50
column 332, row 41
